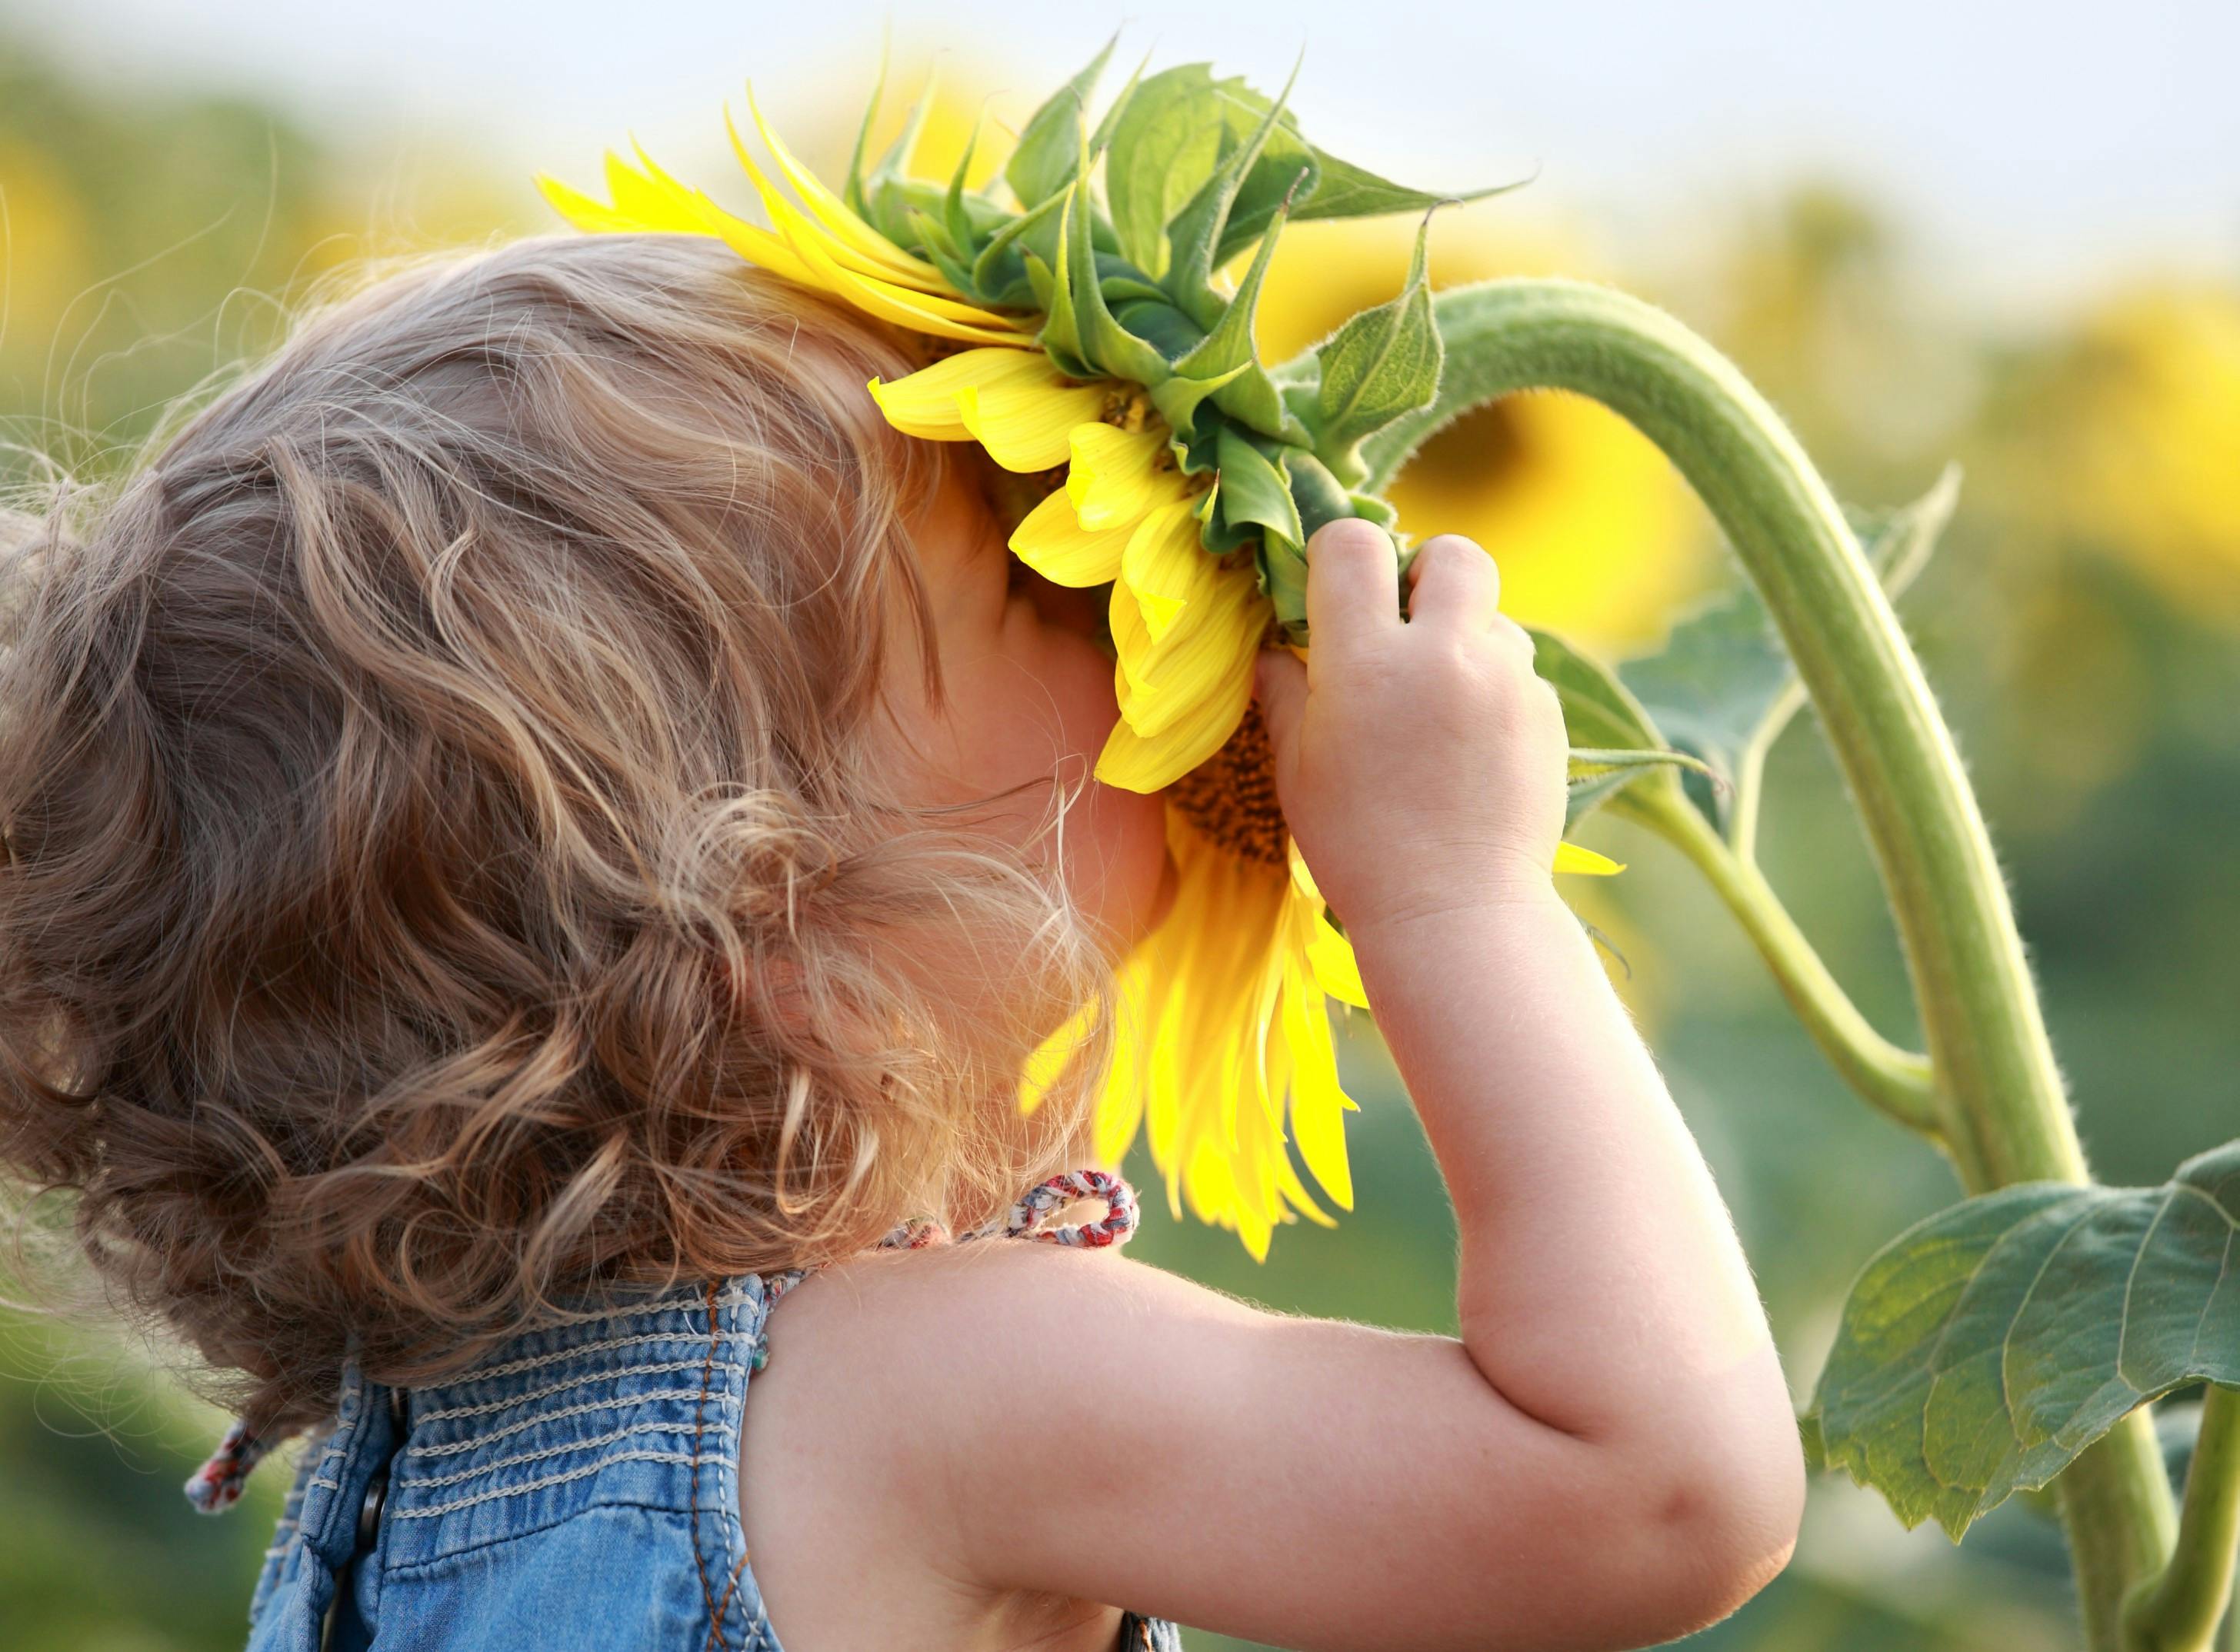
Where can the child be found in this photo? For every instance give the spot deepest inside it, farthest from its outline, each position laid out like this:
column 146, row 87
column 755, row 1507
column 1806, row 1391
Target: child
column 537, row 823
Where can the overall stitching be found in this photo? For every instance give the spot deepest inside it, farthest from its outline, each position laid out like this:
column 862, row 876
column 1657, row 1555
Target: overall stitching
column 699, row 1420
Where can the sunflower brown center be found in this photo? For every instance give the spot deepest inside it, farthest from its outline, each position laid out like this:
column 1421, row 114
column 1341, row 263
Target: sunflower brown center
column 1231, row 795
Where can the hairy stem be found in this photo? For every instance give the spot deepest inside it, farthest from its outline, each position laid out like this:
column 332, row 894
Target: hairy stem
column 1893, row 1080
column 1999, row 1100
column 2179, row 1611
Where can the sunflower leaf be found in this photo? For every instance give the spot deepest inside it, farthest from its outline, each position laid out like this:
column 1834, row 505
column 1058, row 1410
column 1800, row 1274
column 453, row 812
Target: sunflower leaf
column 1982, row 1351
column 1596, row 775
column 1047, row 158
column 1599, row 712
column 1723, row 687
column 1381, row 366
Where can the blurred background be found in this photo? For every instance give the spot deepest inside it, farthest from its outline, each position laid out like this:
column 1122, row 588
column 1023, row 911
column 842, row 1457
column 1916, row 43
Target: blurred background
column 2004, row 235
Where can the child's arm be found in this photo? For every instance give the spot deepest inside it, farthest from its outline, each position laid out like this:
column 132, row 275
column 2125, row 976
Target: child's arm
column 1607, row 1457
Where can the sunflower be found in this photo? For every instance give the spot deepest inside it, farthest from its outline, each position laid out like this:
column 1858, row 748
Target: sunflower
column 1093, row 347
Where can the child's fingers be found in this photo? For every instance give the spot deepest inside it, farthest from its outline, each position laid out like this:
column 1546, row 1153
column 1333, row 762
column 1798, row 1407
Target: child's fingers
column 1279, row 684
column 1353, row 582
column 1453, row 581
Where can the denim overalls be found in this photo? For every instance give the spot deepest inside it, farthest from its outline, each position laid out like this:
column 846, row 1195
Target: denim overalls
column 578, row 1491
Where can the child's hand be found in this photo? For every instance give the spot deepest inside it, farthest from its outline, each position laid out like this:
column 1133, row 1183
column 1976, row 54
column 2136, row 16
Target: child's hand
column 1419, row 761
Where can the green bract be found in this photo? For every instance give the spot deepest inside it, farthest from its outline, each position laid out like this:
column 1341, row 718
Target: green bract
column 1119, row 236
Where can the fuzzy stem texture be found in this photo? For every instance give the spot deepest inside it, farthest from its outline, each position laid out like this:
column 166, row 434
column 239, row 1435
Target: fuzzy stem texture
column 2000, row 1104
column 2179, row 1611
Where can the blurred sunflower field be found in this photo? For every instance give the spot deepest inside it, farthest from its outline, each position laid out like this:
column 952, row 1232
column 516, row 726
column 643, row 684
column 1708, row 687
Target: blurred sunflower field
column 2081, row 623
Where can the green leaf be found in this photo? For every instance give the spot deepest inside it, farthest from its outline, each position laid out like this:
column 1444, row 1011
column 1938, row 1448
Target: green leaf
column 1983, row 1350
column 1164, row 146
column 1723, row 687
column 1167, row 145
column 1381, row 365
column 1598, row 710
column 1049, row 152
column 1598, row 774
column 1193, row 233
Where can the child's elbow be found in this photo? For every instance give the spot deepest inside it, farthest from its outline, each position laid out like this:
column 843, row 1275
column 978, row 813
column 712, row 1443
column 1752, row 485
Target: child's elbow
column 1720, row 1524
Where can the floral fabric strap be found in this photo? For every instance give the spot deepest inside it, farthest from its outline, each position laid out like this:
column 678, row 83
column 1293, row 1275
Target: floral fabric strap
column 1028, row 1219
column 216, row 1486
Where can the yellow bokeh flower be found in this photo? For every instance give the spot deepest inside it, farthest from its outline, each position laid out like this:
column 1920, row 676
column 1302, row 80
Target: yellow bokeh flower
column 1225, row 1058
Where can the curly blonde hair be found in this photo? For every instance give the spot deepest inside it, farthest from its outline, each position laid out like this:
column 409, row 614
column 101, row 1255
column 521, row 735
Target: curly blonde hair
column 447, row 868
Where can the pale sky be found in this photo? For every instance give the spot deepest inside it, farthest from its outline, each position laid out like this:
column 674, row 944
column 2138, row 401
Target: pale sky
column 2032, row 150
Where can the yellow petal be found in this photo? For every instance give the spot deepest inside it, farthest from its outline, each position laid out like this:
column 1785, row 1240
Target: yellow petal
column 1167, row 566
column 923, row 403
column 647, row 202
column 833, row 214
column 1569, row 858
column 1207, row 651
column 581, row 209
column 1027, row 427
column 750, row 241
column 1115, row 477
column 1317, row 1102
column 1052, row 542
column 924, row 312
column 1147, row 762
column 1338, row 972
column 1049, row 1059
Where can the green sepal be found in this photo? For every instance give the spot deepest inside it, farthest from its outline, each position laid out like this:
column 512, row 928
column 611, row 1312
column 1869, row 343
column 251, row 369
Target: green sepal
column 1104, row 343
column 1198, row 453
column 933, row 244
column 1047, row 159
column 881, row 207
column 992, row 267
column 1382, row 365
column 1315, row 492
column 1227, row 361
column 1121, row 280
column 1171, row 333
column 1255, row 494
column 1193, row 232
column 1059, row 337
column 1283, row 582
column 954, row 215
column 851, row 191
column 1179, row 399
column 1344, row 191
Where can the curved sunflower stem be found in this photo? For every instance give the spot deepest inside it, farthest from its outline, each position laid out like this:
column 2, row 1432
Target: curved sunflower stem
column 1998, row 1096
column 2179, row 1610
column 1896, row 1081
